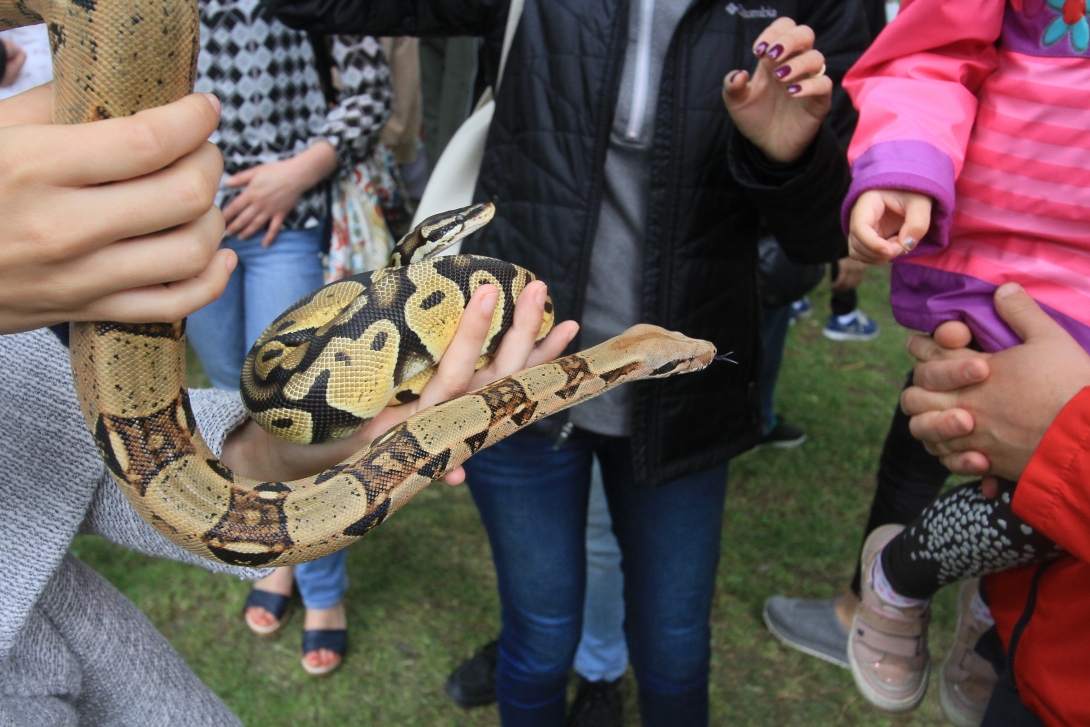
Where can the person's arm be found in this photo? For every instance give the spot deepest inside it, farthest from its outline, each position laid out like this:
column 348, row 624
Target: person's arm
column 789, row 163
column 111, row 220
column 365, row 100
column 986, row 413
column 343, row 139
column 915, row 89
column 1053, row 494
column 418, row 18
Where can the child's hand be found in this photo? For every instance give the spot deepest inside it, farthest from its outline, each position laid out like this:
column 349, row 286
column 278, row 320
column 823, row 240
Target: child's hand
column 780, row 109
column 886, row 223
column 111, row 220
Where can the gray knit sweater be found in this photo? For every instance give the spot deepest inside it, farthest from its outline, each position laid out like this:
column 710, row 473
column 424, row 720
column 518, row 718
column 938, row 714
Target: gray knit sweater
column 72, row 649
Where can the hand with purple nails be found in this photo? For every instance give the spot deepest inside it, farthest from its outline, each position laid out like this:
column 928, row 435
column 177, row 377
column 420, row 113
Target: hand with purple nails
column 886, row 223
column 781, row 106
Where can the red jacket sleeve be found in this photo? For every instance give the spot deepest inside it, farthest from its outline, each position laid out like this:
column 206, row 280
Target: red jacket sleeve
column 1053, row 494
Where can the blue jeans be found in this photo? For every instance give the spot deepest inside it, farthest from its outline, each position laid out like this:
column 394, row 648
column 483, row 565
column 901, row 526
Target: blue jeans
column 533, row 503
column 266, row 281
column 774, row 325
column 602, row 652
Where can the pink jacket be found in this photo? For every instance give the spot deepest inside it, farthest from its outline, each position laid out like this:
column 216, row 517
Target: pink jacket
column 985, row 106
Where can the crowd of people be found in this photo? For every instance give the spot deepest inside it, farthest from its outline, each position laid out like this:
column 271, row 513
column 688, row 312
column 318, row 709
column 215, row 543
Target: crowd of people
column 692, row 165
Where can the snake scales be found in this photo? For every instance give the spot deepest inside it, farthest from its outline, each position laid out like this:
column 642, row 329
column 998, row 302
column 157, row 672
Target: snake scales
column 116, row 57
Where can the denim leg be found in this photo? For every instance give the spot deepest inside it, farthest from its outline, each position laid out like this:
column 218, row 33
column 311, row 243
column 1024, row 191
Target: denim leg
column 774, row 325
column 602, row 654
column 217, row 334
column 669, row 538
column 323, row 582
column 533, row 503
column 279, row 275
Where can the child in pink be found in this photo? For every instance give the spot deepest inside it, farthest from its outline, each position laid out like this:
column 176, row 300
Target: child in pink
column 983, row 106
column 971, row 168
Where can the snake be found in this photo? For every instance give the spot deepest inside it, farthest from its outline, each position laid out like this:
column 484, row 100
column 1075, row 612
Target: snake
column 113, row 58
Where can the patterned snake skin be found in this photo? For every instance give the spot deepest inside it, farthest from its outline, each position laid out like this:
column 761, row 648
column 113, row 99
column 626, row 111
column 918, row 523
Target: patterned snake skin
column 116, row 57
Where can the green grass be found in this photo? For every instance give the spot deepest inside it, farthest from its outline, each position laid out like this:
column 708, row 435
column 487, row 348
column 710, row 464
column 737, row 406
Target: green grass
column 423, row 590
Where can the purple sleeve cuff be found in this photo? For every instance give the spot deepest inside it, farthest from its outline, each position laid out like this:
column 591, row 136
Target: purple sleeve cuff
column 915, row 166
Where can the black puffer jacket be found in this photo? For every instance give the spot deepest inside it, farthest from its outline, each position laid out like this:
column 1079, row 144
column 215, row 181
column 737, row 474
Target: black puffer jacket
column 543, row 167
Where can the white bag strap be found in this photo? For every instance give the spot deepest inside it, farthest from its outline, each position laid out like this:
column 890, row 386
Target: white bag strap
column 454, row 176
column 514, row 14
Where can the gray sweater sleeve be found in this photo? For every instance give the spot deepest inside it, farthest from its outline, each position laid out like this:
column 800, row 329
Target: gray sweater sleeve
column 52, row 478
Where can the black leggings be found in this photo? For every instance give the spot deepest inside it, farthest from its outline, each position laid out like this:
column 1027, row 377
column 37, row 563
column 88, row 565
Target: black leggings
column 962, row 535
column 842, row 302
column 909, row 479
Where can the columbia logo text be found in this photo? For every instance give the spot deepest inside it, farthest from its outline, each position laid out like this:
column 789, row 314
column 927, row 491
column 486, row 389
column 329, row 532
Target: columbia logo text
column 761, row 12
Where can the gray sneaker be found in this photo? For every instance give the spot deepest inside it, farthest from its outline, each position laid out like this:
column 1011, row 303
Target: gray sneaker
column 809, row 625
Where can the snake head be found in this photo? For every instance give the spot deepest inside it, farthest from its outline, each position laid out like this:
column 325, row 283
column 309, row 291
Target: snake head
column 650, row 352
column 439, row 232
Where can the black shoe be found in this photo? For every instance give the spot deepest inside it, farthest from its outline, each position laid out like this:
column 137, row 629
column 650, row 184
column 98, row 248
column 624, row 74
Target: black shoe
column 597, row 704
column 783, row 436
column 473, row 682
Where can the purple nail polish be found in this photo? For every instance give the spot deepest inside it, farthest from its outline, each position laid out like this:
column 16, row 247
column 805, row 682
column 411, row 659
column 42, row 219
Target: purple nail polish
column 775, row 51
column 760, row 49
column 794, row 88
column 782, row 72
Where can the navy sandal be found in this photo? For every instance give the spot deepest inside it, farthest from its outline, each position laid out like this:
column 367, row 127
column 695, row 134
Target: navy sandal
column 336, row 640
column 274, row 603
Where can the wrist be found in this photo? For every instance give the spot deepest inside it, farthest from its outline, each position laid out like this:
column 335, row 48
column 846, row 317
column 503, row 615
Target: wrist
column 313, row 165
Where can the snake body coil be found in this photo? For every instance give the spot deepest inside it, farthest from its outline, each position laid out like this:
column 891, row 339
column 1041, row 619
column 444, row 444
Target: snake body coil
column 115, row 57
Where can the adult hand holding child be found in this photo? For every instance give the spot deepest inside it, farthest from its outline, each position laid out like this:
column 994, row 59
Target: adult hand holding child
column 986, row 413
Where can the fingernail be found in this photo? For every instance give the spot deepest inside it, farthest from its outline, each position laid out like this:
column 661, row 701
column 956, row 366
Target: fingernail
column 775, row 51
column 973, row 372
column 232, row 262
column 488, row 302
column 539, row 298
column 782, row 71
column 760, row 49
column 909, row 244
column 1007, row 290
column 214, row 100
column 730, row 77
column 794, row 88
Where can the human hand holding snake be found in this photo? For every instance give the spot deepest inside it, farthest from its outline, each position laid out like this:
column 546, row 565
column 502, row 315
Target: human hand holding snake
column 110, row 221
column 256, row 454
column 781, row 106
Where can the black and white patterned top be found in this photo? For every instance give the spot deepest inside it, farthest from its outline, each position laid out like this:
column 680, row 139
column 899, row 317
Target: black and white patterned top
column 273, row 108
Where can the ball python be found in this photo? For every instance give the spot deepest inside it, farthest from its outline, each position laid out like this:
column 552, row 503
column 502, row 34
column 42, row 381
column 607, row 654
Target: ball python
column 335, row 358
column 115, row 57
